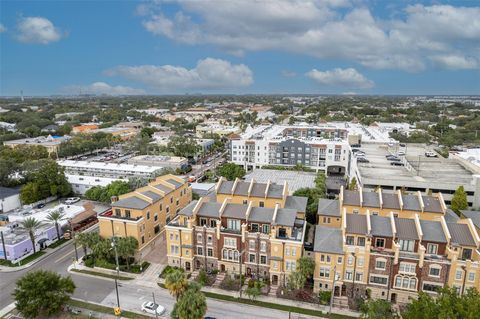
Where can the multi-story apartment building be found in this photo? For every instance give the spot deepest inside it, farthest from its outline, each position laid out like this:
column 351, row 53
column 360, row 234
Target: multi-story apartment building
column 144, row 212
column 318, row 147
column 252, row 228
column 392, row 246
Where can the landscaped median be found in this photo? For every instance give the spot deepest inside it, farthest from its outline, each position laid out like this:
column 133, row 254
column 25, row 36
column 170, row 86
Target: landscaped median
column 100, row 274
column 24, row 261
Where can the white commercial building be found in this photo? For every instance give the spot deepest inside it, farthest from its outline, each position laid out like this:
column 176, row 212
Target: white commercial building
column 83, row 175
column 318, row 147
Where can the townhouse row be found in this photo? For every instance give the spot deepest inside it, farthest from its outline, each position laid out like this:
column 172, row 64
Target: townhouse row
column 251, row 228
column 392, row 246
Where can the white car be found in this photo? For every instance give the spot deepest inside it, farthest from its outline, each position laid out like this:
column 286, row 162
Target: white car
column 150, row 307
column 72, row 200
column 401, row 153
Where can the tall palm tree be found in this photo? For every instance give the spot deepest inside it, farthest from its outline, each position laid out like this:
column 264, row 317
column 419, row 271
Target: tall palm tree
column 31, row 224
column 127, row 246
column 192, row 305
column 176, row 283
column 55, row 217
column 82, row 239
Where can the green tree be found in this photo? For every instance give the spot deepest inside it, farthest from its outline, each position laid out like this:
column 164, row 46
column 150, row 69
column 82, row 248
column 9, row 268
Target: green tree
column 313, row 195
column 191, row 305
column 306, row 266
column 182, row 146
column 127, row 246
column 176, row 283
column 459, row 200
column 231, row 171
column 55, row 217
column 377, row 309
column 42, row 292
column 447, row 304
column 83, row 240
column 104, row 194
column 324, row 297
column 296, row 280
column 31, row 224
column 353, row 184
column 255, row 290
column 101, row 248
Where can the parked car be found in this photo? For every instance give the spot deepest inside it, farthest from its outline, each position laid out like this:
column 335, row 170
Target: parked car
column 430, row 154
column 362, row 160
column 401, row 153
column 394, row 158
column 151, row 308
column 397, row 163
column 41, row 205
column 402, row 144
column 72, row 200
column 360, row 153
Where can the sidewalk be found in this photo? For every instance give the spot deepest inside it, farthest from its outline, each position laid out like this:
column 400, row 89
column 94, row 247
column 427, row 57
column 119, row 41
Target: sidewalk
column 150, row 277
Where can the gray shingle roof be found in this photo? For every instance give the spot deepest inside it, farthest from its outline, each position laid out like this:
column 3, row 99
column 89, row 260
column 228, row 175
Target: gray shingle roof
column 390, row 200
column 296, row 202
column 242, row 188
column 7, row 192
column 432, row 231
column 188, row 210
column 381, row 226
column 328, row 240
column 275, row 191
column 235, row 211
column 371, row 199
column 225, row 187
column 473, row 215
column 451, row 216
column 432, row 204
column 357, row 224
column 258, row 190
column 329, row 207
column 154, row 196
column 132, row 202
column 261, row 215
column 163, row 188
column 406, row 228
column 209, row 209
column 174, row 183
column 351, row 198
column 410, row 202
column 286, row 217
column 461, row 234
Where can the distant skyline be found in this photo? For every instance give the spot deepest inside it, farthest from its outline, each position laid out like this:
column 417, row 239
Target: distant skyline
column 240, row 47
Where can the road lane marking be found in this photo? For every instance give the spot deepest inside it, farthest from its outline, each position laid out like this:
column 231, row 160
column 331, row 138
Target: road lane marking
column 64, row 256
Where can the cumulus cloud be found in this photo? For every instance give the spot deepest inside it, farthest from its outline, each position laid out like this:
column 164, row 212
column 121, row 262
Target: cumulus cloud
column 37, row 30
column 349, row 78
column 2, row 28
column 208, row 74
column 102, row 88
column 455, row 62
column 321, row 29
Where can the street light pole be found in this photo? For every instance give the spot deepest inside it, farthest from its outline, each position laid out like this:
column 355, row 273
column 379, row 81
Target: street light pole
column 114, row 246
column 74, row 240
column 153, row 296
column 333, row 288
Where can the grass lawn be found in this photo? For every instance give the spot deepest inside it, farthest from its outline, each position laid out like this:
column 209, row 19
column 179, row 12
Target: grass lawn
column 99, row 274
column 58, row 243
column 26, row 260
column 104, row 309
column 270, row 305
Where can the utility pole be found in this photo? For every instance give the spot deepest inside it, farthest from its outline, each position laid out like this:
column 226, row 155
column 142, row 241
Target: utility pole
column 3, row 246
column 354, row 272
column 240, row 263
column 74, row 240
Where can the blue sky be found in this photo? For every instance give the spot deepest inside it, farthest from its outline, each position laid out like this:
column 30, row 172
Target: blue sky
column 211, row 46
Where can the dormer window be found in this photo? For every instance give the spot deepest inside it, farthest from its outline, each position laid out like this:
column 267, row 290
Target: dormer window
column 466, row 254
column 233, row 224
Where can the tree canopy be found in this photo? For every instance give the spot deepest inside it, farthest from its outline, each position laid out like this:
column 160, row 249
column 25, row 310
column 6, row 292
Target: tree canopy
column 42, row 292
column 459, row 200
column 104, row 194
column 231, row 171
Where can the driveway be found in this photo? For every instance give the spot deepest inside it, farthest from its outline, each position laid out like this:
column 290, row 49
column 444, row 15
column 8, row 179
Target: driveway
column 158, row 253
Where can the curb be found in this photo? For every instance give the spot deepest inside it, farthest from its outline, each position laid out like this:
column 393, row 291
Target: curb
column 7, row 309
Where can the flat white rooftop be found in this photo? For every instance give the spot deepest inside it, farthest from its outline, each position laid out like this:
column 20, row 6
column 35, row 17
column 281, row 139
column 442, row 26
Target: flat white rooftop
column 92, row 165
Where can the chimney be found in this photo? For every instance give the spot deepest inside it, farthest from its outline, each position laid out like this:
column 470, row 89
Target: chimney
column 420, row 201
column 400, row 200
column 360, row 195
column 380, row 198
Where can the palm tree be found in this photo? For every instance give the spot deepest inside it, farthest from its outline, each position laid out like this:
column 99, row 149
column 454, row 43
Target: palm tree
column 176, row 283
column 192, row 305
column 55, row 217
column 100, row 249
column 82, row 239
column 31, row 224
column 127, row 246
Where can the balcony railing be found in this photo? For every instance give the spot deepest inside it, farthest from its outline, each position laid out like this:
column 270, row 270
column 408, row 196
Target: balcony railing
column 110, row 214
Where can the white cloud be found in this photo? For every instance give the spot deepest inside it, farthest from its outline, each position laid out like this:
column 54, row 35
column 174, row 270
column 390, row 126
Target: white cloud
column 320, row 29
column 37, row 30
column 349, row 78
column 101, row 88
column 209, row 74
column 455, row 62
column 2, row 28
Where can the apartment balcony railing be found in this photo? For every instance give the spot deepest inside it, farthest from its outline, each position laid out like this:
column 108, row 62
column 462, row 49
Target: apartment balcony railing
column 110, row 214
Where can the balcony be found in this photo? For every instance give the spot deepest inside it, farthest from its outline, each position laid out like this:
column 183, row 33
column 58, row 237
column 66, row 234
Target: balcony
column 109, row 214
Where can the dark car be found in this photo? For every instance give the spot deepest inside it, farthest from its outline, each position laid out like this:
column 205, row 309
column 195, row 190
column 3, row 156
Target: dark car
column 394, row 159
column 362, row 160
column 397, row 164
column 402, row 144
column 41, row 205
